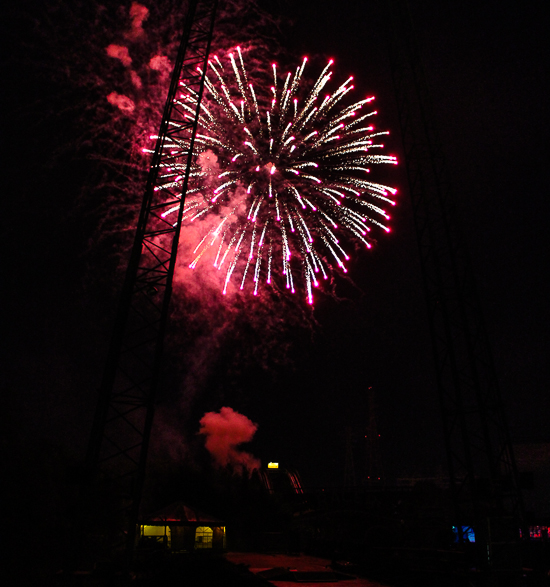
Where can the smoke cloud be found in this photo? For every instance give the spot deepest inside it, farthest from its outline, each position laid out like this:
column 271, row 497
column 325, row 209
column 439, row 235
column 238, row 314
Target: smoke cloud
column 225, row 432
column 138, row 13
column 119, row 52
column 213, row 339
column 136, row 80
column 123, row 102
column 161, row 63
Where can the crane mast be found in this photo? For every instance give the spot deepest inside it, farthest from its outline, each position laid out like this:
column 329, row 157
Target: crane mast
column 483, row 476
column 117, row 450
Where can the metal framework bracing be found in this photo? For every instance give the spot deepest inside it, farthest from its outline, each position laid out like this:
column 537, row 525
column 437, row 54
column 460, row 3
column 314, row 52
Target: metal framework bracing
column 483, row 475
column 119, row 440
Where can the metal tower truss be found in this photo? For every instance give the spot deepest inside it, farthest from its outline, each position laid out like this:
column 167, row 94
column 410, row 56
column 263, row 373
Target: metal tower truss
column 119, row 441
column 482, row 471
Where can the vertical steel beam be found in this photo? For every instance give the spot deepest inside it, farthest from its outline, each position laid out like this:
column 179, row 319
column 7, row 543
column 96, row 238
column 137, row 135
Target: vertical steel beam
column 482, row 471
column 119, row 441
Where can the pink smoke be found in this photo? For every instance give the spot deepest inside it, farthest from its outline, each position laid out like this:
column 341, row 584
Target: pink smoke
column 207, row 283
column 138, row 13
column 136, row 80
column 224, row 433
column 121, row 101
column 160, row 63
column 119, row 52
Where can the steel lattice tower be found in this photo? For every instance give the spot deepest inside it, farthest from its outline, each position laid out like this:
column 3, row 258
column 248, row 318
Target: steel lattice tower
column 482, row 471
column 117, row 450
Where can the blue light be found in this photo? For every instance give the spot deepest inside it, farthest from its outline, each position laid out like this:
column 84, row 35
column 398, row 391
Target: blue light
column 468, row 534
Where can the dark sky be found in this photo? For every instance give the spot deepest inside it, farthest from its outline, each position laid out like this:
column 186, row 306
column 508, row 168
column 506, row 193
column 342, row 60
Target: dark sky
column 486, row 65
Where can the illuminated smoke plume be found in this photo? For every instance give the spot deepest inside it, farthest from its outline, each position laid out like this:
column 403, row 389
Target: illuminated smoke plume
column 121, row 53
column 122, row 102
column 109, row 61
column 127, row 91
column 161, row 63
column 112, row 62
column 225, row 432
column 138, row 13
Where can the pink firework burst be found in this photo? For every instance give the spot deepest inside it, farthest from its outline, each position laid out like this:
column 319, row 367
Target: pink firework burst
column 280, row 183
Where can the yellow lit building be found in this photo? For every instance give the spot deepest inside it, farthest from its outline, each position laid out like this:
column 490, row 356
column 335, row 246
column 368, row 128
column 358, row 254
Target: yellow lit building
column 180, row 528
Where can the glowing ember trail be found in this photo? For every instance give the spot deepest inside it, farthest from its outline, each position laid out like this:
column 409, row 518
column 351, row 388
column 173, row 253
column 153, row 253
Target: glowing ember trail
column 291, row 178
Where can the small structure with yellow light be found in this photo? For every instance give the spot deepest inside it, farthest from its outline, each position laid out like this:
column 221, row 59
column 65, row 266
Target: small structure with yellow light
column 180, row 528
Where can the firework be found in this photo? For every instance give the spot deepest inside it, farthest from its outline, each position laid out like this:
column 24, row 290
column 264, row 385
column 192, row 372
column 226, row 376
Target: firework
column 291, row 189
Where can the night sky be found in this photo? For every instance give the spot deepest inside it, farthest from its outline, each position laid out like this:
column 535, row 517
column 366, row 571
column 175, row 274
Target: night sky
column 486, row 64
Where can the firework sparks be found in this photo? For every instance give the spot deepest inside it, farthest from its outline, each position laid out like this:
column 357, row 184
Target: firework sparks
column 291, row 190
